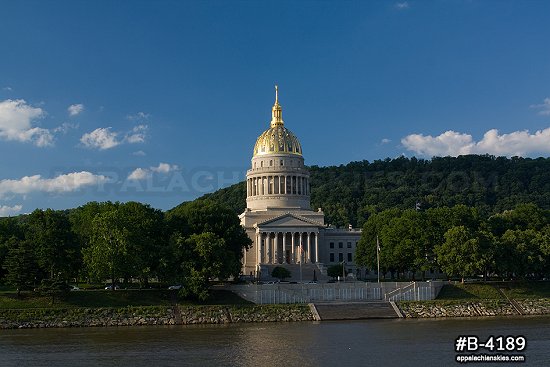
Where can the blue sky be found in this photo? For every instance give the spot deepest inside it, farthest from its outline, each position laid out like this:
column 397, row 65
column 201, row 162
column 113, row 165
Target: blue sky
column 161, row 101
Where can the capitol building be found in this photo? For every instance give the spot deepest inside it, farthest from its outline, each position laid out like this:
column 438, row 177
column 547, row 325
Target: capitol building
column 278, row 218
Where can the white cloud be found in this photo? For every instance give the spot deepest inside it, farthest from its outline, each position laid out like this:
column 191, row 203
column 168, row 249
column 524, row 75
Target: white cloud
column 452, row 143
column 75, row 109
column 544, row 107
column 65, row 127
column 103, row 138
column 136, row 135
column 143, row 173
column 385, row 141
column 139, row 153
column 63, row 183
column 16, row 117
column 401, row 6
column 140, row 116
column 164, row 168
column 139, row 174
column 8, row 89
column 7, row 211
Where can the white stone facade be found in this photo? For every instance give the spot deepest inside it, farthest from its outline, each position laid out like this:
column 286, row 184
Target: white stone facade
column 278, row 218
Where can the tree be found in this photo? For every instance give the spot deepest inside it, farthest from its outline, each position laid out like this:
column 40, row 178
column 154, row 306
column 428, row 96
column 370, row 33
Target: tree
column 20, row 265
column 462, row 254
column 335, row 271
column 280, row 273
column 204, row 216
column 203, row 257
column 56, row 251
column 107, row 254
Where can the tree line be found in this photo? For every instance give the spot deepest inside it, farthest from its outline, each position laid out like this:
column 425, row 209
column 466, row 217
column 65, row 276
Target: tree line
column 460, row 241
column 350, row 193
column 190, row 245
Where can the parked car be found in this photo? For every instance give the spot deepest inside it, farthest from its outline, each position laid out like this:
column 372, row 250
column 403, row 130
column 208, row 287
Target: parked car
column 174, row 287
column 73, row 288
column 110, row 287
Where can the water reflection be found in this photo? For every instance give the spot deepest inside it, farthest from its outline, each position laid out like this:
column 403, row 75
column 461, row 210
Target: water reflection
column 378, row 342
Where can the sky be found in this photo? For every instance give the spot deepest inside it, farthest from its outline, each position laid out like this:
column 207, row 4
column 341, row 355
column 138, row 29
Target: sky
column 162, row 101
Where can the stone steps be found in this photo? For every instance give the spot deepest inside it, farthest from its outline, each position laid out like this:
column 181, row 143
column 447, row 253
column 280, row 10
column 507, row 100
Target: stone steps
column 309, row 271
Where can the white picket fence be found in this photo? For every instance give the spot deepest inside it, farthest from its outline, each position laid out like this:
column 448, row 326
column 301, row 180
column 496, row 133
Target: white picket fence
column 337, row 292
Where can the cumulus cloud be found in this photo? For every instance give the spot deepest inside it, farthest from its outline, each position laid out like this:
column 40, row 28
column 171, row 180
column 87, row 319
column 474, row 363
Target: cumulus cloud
column 452, row 143
column 101, row 138
column 65, row 127
column 164, row 168
column 402, row 5
column 63, row 183
column 139, row 174
column 75, row 109
column 7, row 211
column 140, row 116
column 136, row 135
column 104, row 138
column 16, row 123
column 544, row 107
column 143, row 173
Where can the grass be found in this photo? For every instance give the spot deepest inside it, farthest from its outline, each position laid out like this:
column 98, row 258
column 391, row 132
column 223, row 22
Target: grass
column 468, row 292
column 119, row 298
column 522, row 290
column 515, row 290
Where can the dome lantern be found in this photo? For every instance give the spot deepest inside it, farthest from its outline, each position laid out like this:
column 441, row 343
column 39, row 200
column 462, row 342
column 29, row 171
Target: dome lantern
column 277, row 139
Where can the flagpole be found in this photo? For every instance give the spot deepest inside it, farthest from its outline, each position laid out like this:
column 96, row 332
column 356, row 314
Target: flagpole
column 378, row 256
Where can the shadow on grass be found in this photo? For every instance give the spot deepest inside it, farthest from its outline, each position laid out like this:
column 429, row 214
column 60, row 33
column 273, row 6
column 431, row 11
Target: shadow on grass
column 118, row 298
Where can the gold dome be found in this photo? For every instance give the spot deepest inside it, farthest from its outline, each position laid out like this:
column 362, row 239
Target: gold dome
column 277, row 139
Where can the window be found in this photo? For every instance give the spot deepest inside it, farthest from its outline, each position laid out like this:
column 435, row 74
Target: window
column 282, row 162
column 331, row 257
column 340, row 245
column 349, row 244
column 261, row 163
column 349, row 257
column 271, row 163
column 332, row 245
column 340, row 257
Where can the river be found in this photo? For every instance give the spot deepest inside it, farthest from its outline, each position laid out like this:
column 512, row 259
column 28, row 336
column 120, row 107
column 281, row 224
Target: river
column 357, row 343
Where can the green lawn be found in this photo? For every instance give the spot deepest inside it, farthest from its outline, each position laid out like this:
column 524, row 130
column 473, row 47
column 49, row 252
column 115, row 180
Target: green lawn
column 119, row 298
column 468, row 291
column 518, row 290
column 527, row 289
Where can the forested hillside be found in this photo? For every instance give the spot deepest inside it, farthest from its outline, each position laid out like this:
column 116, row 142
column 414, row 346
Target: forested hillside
column 349, row 193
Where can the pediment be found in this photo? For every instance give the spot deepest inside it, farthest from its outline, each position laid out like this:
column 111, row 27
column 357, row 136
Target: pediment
column 289, row 220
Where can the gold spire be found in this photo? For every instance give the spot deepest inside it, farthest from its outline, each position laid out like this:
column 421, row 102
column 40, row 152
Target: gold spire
column 276, row 111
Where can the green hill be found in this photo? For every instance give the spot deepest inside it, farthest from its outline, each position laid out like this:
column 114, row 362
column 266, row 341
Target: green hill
column 348, row 193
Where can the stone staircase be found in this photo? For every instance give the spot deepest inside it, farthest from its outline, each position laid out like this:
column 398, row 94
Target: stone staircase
column 310, row 272
column 355, row 311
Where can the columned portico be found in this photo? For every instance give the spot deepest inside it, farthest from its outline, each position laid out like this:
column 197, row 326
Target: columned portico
column 271, row 246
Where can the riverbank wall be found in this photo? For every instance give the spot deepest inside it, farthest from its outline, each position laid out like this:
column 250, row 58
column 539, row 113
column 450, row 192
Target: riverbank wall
column 463, row 308
column 150, row 315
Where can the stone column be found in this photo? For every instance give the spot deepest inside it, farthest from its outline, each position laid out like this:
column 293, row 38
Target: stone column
column 284, row 248
column 259, row 250
column 292, row 257
column 276, row 245
column 268, row 246
column 317, row 247
column 308, row 256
